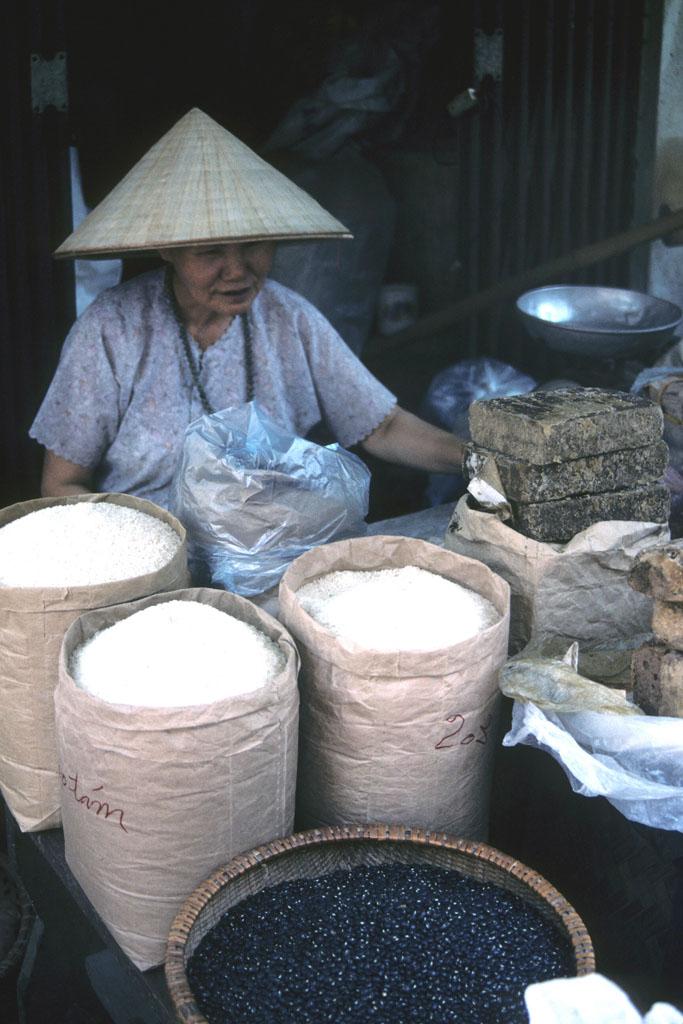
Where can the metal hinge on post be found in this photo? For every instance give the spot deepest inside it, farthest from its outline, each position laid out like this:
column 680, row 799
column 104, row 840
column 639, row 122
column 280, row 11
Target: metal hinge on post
column 488, row 55
column 48, row 83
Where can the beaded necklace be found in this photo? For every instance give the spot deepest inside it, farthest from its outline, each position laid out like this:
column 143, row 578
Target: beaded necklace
column 182, row 330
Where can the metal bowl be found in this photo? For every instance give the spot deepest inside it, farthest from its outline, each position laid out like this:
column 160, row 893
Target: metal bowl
column 590, row 320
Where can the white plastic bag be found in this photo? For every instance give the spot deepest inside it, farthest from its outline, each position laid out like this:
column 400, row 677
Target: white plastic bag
column 632, row 760
column 591, row 999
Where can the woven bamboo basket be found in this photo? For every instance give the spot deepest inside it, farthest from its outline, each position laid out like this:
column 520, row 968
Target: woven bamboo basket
column 319, row 852
column 16, row 918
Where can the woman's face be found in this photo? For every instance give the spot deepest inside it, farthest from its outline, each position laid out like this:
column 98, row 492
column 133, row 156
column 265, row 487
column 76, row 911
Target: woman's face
column 219, row 280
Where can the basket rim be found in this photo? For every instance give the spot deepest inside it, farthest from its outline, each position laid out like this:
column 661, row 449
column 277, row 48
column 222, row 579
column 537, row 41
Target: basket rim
column 184, row 1002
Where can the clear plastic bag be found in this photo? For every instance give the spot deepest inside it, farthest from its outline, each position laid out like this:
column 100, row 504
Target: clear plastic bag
column 452, row 390
column 254, row 496
column 447, row 403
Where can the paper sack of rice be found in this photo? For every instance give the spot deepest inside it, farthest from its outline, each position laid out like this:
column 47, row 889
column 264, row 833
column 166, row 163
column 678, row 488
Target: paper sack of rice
column 399, row 687
column 177, row 721
column 60, row 557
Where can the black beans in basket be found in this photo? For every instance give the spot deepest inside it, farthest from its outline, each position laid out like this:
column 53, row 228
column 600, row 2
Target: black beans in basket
column 395, row 943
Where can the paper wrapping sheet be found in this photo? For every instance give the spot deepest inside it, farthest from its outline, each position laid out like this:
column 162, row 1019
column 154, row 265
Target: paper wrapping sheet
column 578, row 590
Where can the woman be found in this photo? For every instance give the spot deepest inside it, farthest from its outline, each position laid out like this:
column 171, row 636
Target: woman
column 209, row 332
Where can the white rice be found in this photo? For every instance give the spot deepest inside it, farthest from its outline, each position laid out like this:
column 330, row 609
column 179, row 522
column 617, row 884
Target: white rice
column 175, row 654
column 83, row 544
column 407, row 609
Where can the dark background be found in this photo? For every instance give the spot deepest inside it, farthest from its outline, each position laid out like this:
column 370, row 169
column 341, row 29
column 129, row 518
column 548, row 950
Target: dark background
column 558, row 153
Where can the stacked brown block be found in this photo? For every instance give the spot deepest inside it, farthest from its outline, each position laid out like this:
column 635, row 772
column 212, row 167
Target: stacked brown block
column 657, row 666
column 570, row 458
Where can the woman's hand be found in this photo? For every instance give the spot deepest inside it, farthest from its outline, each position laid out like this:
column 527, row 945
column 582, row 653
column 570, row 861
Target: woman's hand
column 62, row 478
column 409, row 441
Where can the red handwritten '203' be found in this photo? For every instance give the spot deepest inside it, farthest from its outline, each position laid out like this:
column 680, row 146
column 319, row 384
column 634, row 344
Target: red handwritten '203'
column 459, row 722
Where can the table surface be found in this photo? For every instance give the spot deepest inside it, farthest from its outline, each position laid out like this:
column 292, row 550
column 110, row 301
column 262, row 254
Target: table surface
column 95, row 958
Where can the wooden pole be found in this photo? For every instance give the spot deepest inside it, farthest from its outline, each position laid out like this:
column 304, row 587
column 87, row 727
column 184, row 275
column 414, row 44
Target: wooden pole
column 532, row 278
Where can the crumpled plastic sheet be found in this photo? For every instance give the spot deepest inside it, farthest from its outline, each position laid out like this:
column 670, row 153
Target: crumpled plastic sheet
column 254, row 496
column 634, row 760
column 590, row 999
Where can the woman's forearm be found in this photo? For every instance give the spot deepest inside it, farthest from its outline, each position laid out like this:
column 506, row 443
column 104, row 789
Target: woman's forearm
column 409, row 441
column 62, row 478
column 63, row 490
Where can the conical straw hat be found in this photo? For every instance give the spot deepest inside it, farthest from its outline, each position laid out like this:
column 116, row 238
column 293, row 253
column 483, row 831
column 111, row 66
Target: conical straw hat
column 198, row 184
